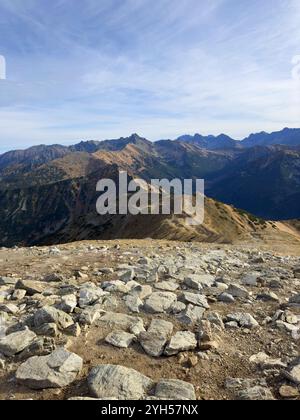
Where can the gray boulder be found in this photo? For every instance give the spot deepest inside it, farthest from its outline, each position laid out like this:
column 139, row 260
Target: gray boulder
column 49, row 314
column 244, row 320
column 120, row 339
column 110, row 381
column 181, row 341
column 155, row 339
column 32, row 287
column 199, row 281
column 173, row 389
column 195, row 299
column 57, row 370
column 16, row 342
column 238, row 291
column 159, row 302
column 191, row 315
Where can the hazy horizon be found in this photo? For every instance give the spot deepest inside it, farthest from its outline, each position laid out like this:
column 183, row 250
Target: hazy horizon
column 74, row 142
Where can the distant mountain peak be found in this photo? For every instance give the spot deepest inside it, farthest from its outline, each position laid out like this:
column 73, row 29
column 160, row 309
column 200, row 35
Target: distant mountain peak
column 136, row 136
column 222, row 141
column 285, row 137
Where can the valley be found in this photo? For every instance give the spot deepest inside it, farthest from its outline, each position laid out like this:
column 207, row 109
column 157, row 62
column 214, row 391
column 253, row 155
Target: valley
column 48, row 193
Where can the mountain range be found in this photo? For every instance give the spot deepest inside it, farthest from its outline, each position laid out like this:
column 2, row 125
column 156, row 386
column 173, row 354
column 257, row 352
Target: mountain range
column 285, row 137
column 47, row 193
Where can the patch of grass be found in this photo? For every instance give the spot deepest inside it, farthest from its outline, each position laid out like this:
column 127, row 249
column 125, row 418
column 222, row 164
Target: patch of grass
column 258, row 221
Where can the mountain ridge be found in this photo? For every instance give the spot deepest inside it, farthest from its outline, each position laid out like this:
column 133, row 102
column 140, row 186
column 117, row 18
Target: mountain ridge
column 48, row 193
column 287, row 136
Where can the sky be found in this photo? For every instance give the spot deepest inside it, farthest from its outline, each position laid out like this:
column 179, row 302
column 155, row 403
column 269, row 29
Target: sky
column 100, row 69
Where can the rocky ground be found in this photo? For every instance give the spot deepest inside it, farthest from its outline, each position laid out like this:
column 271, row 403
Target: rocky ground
column 149, row 320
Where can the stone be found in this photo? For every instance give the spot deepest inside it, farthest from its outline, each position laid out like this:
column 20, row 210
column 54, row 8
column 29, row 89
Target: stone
column 127, row 275
column 153, row 277
column 220, row 287
column 232, row 325
column 181, row 341
column 206, row 339
column 109, row 303
column 258, row 260
column 268, row 297
column 292, row 375
column 249, row 389
column 120, row 339
column 244, row 320
column 191, row 315
column 199, row 281
column 3, row 324
column 237, row 384
column 3, row 296
column 257, row 393
column 226, row 298
column 9, row 308
column 119, row 382
column 168, row 286
column 286, row 327
column 155, row 339
column 208, row 345
column 159, row 302
column 115, row 286
column 18, row 294
column 54, row 278
column 160, row 326
column 144, row 261
column 286, row 391
column 2, row 362
column 32, row 287
column 192, row 361
column 90, row 315
column 173, row 389
column 39, row 347
column 290, row 318
column 195, row 299
column 264, row 362
column 57, row 370
column 177, row 307
column 7, row 281
column 295, row 299
column 215, row 319
column 80, row 275
column 133, row 303
column 124, row 322
column 250, row 279
column 296, row 271
column 204, row 331
column 55, row 251
column 89, row 295
column 274, row 283
column 68, row 303
column 73, row 330
column 106, row 271
column 67, row 289
column 238, row 291
column 49, row 314
column 141, row 291
column 15, row 343
column 48, row 330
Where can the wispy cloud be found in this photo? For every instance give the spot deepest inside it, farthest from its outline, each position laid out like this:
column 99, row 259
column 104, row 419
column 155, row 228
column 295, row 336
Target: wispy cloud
column 93, row 69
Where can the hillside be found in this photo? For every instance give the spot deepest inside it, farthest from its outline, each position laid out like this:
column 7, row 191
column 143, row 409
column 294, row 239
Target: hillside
column 48, row 194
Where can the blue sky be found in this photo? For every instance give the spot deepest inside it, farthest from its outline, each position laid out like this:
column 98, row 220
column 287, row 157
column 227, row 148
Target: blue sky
column 96, row 69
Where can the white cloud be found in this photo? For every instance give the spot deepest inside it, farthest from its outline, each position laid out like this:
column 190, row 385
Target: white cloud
column 159, row 68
